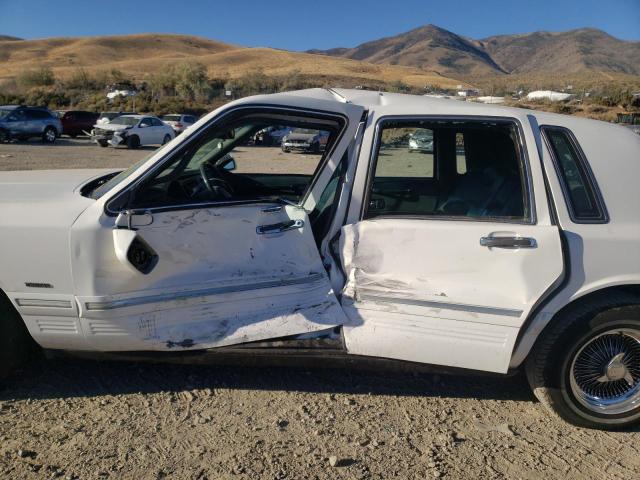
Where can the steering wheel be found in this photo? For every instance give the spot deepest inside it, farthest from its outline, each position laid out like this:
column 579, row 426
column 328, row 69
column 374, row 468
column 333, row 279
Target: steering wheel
column 211, row 178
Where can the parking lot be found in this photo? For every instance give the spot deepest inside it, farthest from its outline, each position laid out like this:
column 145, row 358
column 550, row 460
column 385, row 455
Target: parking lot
column 77, row 418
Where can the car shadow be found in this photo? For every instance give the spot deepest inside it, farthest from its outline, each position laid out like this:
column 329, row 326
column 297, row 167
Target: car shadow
column 71, row 377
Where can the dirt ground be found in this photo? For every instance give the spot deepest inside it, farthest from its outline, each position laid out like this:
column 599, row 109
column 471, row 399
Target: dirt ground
column 74, row 418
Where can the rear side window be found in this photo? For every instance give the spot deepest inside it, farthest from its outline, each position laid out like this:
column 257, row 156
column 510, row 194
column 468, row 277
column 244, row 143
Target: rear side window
column 455, row 169
column 578, row 185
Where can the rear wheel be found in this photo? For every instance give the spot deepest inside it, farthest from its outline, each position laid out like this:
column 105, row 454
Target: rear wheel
column 49, row 135
column 103, row 143
column 4, row 136
column 16, row 345
column 166, row 139
column 586, row 368
column 133, row 141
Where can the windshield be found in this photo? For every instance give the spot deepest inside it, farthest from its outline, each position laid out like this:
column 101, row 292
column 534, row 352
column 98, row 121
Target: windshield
column 130, row 121
column 105, row 187
column 5, row 112
column 171, row 118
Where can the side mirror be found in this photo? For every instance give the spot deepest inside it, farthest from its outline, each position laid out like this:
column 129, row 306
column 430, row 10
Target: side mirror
column 130, row 248
column 227, row 163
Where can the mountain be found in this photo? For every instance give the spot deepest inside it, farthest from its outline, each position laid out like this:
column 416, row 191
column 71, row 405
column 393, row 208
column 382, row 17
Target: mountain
column 586, row 49
column 144, row 54
column 8, row 37
column 425, row 47
column 432, row 47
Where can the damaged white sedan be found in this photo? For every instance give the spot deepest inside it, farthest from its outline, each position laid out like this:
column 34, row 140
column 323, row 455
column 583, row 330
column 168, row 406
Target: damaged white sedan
column 132, row 131
column 511, row 242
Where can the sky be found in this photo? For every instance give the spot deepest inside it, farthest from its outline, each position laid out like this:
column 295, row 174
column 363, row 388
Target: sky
column 307, row 24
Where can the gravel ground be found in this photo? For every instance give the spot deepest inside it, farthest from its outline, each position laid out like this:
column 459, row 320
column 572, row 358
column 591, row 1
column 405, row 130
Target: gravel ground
column 72, row 418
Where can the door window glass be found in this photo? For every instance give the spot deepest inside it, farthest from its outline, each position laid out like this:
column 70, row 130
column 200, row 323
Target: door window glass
column 583, row 200
column 244, row 159
column 453, row 169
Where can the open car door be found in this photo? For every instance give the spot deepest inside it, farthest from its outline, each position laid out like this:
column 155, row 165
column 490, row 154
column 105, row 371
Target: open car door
column 214, row 247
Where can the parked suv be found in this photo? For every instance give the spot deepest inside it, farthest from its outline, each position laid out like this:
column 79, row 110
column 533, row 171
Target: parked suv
column 179, row 122
column 22, row 122
column 77, row 122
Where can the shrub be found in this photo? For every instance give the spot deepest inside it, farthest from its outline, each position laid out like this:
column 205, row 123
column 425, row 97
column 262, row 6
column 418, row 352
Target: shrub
column 36, row 78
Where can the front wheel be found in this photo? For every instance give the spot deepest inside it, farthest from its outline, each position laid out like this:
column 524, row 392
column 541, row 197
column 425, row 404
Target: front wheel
column 49, row 135
column 16, row 345
column 133, row 141
column 4, row 136
column 586, row 368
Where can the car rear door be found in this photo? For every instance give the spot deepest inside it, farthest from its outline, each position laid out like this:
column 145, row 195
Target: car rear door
column 208, row 274
column 450, row 251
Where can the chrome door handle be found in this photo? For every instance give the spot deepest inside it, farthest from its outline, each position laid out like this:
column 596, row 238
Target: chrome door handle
column 279, row 227
column 508, row 242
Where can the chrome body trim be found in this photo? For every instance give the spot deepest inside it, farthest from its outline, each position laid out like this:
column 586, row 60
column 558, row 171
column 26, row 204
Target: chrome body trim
column 506, row 312
column 203, row 292
column 45, row 303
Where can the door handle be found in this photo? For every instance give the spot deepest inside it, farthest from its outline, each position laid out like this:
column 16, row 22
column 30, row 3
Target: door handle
column 508, row 242
column 279, row 227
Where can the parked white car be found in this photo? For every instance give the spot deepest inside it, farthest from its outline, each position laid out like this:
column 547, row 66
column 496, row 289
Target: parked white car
column 512, row 244
column 178, row 121
column 132, row 131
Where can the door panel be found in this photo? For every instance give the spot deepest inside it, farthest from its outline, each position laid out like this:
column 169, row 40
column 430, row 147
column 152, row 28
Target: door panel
column 428, row 291
column 217, row 282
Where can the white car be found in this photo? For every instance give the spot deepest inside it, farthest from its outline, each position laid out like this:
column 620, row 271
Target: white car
column 513, row 245
column 179, row 122
column 132, row 131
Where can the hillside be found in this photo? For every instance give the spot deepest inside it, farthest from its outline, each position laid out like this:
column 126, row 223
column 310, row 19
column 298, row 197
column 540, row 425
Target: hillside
column 432, row 47
column 144, row 54
column 424, row 47
column 586, row 49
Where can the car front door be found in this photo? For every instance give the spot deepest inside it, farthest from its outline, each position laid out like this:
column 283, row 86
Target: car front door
column 146, row 131
column 218, row 248
column 450, row 249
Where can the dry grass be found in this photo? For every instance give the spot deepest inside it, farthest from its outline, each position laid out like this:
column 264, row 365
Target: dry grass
column 144, row 54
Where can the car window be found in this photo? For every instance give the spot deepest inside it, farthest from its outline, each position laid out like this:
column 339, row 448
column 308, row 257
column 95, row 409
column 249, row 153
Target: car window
column 232, row 162
column 581, row 192
column 466, row 170
column 190, row 119
column 129, row 121
column 17, row 116
column 171, row 118
column 156, row 123
column 146, row 122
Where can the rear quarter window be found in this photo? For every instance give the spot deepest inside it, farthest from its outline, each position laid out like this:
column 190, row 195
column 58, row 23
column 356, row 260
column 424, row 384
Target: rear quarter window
column 581, row 192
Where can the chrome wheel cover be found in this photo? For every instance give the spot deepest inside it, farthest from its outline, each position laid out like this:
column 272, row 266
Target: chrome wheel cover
column 51, row 135
column 605, row 372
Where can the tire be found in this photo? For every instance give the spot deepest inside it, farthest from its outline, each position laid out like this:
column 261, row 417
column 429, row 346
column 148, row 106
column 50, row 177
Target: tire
column 285, row 150
column 103, row 143
column 166, row 139
column 133, row 141
column 4, row 136
column 574, row 369
column 16, row 345
column 49, row 135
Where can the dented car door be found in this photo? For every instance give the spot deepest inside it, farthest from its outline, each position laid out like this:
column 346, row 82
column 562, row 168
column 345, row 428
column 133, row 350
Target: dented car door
column 451, row 248
column 218, row 267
